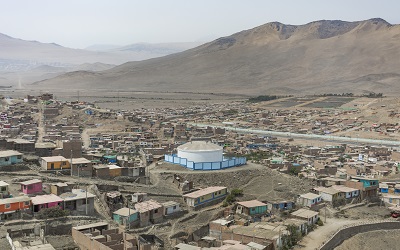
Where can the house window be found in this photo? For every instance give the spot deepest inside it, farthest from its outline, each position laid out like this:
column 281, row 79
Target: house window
column 3, row 189
column 7, row 206
column 219, row 192
column 174, row 207
column 156, row 211
column 253, row 209
column 83, row 201
column 7, row 158
column 64, row 163
column 26, row 203
column 215, row 193
column 19, row 156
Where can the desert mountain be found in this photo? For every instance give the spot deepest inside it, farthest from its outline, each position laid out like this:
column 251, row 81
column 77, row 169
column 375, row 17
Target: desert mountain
column 17, row 54
column 30, row 61
column 160, row 49
column 274, row 58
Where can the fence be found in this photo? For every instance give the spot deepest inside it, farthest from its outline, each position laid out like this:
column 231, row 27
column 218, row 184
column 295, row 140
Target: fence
column 226, row 163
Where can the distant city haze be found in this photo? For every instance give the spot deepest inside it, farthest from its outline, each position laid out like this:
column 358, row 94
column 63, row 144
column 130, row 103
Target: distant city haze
column 81, row 24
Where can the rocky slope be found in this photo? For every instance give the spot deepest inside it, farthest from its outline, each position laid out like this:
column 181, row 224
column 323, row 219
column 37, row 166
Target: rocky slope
column 318, row 57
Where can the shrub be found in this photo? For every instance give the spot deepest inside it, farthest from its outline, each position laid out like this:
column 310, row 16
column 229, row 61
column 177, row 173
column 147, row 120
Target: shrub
column 320, row 222
column 52, row 212
column 237, row 192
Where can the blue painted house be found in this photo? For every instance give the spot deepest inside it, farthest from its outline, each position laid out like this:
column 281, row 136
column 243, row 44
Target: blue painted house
column 280, row 205
column 253, row 207
column 126, row 216
column 397, row 189
column 383, row 188
column 109, row 159
column 10, row 157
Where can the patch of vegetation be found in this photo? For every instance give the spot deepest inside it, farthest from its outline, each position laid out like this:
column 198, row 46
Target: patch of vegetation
column 52, row 212
column 338, row 95
column 320, row 222
column 374, row 95
column 231, row 198
column 263, row 98
column 291, row 239
column 258, row 156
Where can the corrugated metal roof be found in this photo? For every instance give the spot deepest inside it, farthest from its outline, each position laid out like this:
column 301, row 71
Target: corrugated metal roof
column 147, row 206
column 3, row 183
column 9, row 153
column 44, row 199
column 54, row 158
column 252, row 203
column 30, row 182
column 125, row 211
column 14, row 200
column 304, row 213
column 203, row 192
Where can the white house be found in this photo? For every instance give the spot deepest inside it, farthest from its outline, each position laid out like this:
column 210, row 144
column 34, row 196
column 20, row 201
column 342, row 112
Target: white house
column 171, row 207
column 305, row 214
column 309, row 199
column 349, row 192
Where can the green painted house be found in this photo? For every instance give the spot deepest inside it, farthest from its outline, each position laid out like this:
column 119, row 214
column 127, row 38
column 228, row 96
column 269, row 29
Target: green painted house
column 125, row 216
column 251, row 208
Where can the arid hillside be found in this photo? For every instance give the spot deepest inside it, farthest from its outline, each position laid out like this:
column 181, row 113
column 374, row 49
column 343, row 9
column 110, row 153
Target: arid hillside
column 318, row 57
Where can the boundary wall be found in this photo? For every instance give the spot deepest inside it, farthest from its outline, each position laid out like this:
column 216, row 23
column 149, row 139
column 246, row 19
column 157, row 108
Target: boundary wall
column 226, row 163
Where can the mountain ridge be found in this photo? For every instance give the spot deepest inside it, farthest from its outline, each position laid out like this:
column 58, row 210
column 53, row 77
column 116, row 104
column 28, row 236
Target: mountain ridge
column 318, row 57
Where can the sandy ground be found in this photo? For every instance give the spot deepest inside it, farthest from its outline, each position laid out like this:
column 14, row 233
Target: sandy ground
column 317, row 237
column 377, row 240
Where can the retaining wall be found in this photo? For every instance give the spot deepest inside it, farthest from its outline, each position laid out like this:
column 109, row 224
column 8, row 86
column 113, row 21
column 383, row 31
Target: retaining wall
column 351, row 231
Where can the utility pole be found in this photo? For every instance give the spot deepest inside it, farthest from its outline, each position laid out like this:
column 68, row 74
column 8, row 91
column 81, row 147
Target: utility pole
column 129, row 215
column 86, row 207
column 71, row 163
column 325, row 212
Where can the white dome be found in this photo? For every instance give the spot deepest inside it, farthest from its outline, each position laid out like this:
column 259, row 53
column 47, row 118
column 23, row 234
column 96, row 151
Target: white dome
column 200, row 151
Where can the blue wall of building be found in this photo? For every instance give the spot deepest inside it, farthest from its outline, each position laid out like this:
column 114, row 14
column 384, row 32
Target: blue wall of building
column 227, row 163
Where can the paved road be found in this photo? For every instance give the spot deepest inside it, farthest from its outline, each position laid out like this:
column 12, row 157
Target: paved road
column 306, row 136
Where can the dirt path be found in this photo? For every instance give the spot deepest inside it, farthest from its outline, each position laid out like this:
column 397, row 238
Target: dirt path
column 316, row 238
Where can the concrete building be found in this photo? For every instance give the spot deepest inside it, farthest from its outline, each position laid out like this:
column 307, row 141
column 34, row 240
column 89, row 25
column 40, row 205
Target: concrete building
column 60, row 188
column 4, row 192
column 9, row 206
column 126, row 217
column 78, row 202
column 54, row 163
column 309, row 199
column 45, row 201
column 81, row 167
column 149, row 212
column 98, row 236
column 10, row 157
column 368, row 187
column 206, row 196
column 32, row 186
column 171, row 207
column 305, row 214
column 251, row 208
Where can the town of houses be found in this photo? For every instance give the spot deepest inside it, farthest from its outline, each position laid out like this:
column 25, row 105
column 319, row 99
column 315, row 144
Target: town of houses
column 98, row 168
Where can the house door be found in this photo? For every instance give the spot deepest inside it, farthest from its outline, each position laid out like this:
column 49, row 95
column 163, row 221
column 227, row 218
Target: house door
column 52, row 166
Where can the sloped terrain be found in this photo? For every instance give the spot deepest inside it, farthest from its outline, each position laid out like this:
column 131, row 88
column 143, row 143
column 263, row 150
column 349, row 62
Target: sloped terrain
column 318, row 57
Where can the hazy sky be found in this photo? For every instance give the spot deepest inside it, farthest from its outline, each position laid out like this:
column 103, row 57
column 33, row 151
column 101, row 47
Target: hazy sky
column 81, row 23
